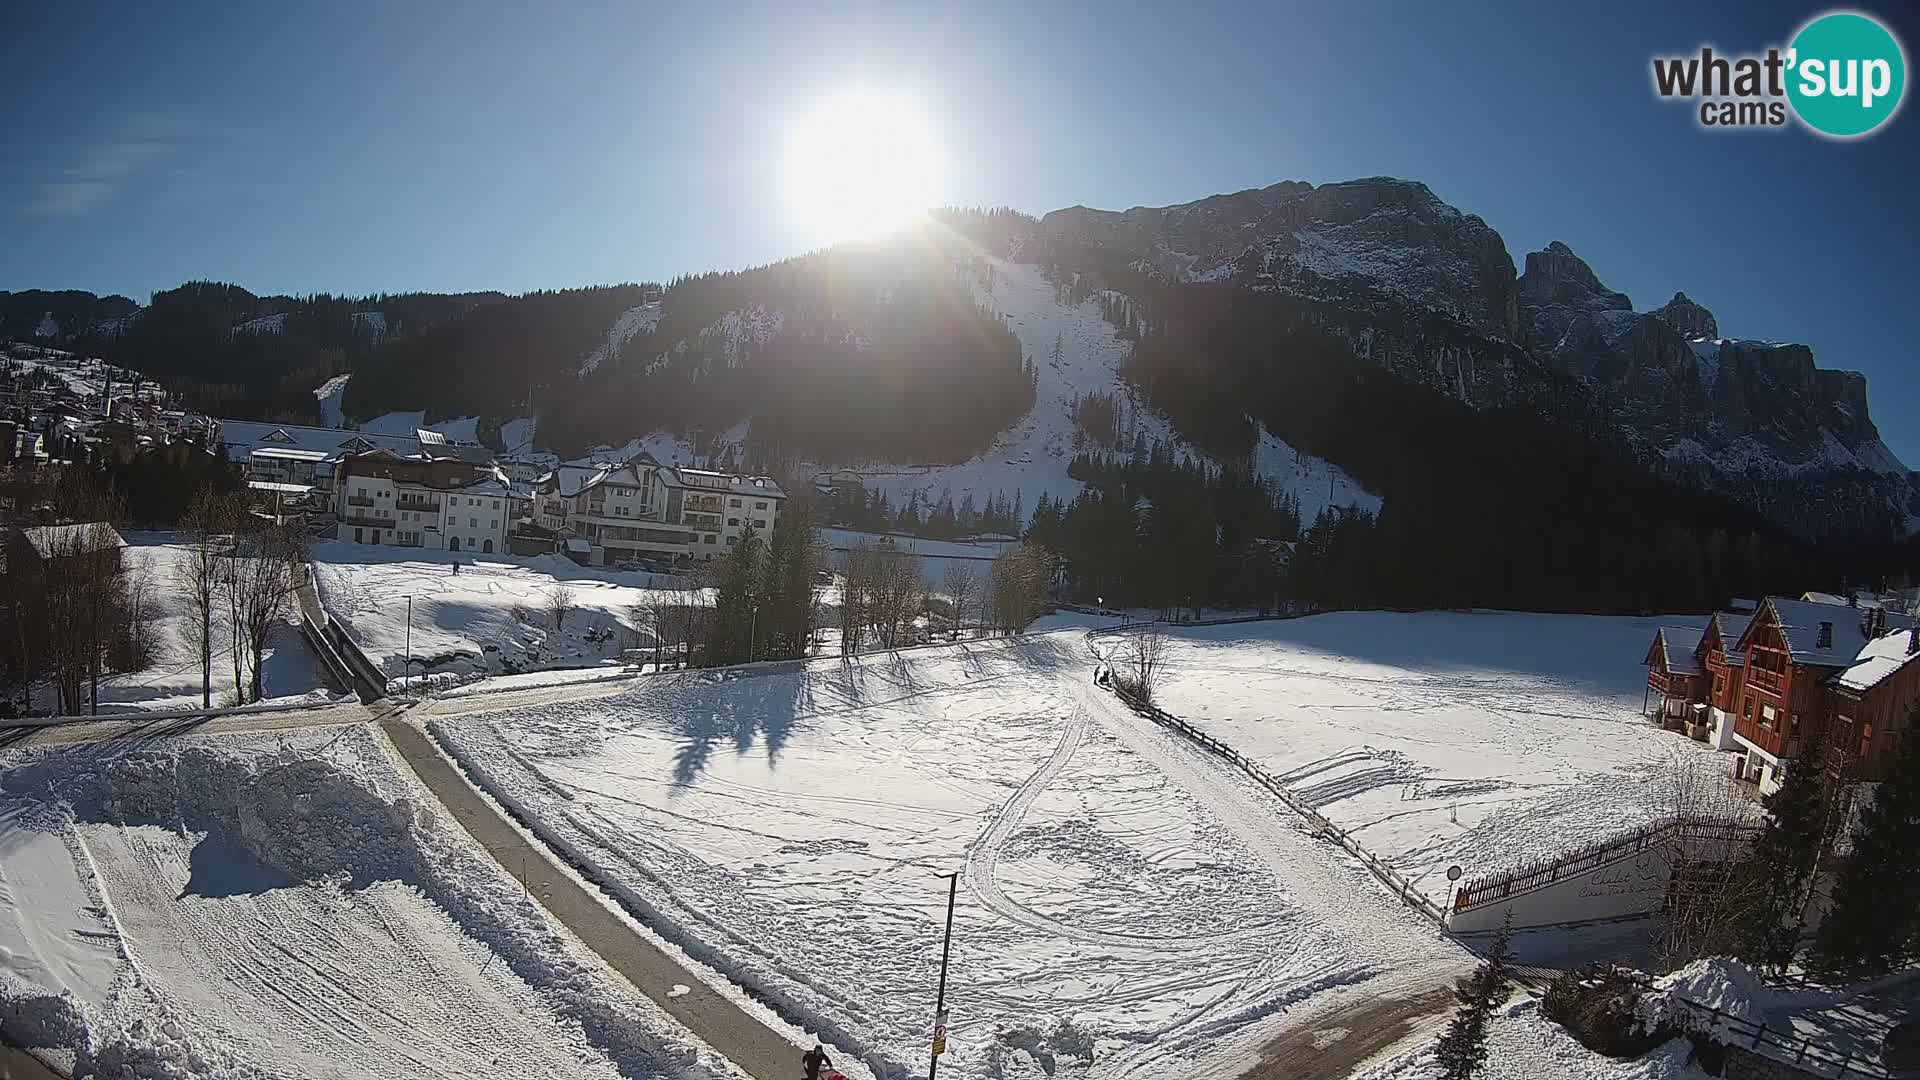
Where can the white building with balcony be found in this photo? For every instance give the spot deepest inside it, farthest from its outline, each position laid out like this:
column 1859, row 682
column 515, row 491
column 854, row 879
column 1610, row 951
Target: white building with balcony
column 643, row 511
column 444, row 503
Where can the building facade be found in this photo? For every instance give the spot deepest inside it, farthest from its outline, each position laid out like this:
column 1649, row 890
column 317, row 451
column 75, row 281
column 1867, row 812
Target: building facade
column 440, row 503
column 641, row 511
column 1769, row 685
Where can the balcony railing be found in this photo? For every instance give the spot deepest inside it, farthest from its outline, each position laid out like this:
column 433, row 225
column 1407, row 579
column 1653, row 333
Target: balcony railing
column 408, row 504
column 359, row 500
column 366, row 519
column 1773, row 682
column 700, row 521
column 1670, row 684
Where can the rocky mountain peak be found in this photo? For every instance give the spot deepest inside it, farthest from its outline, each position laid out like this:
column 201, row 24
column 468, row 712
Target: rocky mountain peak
column 1692, row 321
column 1559, row 289
column 1377, row 241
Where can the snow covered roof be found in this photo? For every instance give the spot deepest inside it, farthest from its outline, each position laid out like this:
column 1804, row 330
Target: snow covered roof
column 243, row 437
column 1675, row 646
column 52, row 541
column 288, row 453
column 1801, row 621
column 1731, row 626
column 1878, row 660
column 732, row 483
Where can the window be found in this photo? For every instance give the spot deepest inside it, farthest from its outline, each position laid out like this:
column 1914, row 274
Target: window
column 710, row 539
column 473, row 523
column 761, row 505
column 759, row 523
column 494, row 524
column 496, row 504
column 733, row 521
column 733, row 502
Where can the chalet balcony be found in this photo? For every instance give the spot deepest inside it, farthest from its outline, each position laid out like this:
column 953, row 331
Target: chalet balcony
column 1667, row 684
column 1769, row 682
column 417, row 504
column 351, row 518
column 359, row 500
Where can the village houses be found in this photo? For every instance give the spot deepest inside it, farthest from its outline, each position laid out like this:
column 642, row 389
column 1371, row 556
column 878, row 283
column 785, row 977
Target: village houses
column 1766, row 685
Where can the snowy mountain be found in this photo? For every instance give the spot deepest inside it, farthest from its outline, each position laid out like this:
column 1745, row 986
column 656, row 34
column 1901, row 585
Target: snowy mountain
column 1754, row 419
column 1428, row 291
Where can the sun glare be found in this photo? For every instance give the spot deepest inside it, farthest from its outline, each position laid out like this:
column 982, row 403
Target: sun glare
column 859, row 166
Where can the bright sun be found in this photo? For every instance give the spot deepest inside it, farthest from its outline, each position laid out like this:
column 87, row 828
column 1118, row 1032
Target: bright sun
column 859, row 166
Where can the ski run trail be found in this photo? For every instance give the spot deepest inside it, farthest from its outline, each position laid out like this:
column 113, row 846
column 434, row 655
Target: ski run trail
column 1128, row 907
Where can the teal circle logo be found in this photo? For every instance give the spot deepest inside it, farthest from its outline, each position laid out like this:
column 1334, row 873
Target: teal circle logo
column 1846, row 74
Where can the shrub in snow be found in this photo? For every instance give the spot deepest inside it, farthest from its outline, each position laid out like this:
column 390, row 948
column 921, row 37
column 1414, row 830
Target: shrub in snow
column 1031, row 1050
column 1600, row 1007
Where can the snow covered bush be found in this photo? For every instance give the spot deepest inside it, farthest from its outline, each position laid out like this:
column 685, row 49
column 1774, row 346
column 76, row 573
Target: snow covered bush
column 1599, row 1006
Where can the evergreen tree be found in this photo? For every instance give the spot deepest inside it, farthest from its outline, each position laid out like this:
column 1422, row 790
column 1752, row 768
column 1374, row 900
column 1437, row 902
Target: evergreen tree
column 1780, row 868
column 1463, row 1049
column 1876, row 901
column 736, row 607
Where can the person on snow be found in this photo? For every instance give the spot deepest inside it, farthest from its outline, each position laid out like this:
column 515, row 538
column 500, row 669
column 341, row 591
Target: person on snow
column 456, row 568
column 814, row 1060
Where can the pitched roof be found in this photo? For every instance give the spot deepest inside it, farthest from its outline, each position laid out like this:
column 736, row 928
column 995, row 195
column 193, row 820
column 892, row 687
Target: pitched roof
column 1800, row 622
column 1878, row 660
column 1676, row 645
column 52, row 541
column 1731, row 626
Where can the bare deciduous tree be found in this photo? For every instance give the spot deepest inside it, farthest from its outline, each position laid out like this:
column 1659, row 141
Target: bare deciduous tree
column 1140, row 658
column 1018, row 589
column 1711, row 893
column 962, row 583
column 262, row 575
column 559, row 600
column 198, row 576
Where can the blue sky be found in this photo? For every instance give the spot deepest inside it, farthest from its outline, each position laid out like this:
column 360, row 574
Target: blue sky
column 369, row 147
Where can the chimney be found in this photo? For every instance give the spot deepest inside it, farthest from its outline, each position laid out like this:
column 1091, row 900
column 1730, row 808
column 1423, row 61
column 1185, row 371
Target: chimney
column 1825, row 640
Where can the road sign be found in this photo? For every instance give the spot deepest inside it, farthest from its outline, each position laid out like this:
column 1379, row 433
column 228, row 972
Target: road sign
column 1454, row 872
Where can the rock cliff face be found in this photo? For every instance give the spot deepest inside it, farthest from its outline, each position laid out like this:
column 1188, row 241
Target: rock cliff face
column 1378, row 238
column 1429, row 291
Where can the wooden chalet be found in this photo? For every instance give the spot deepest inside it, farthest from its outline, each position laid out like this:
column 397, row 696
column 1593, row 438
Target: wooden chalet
column 1876, row 703
column 1796, row 653
column 1674, row 676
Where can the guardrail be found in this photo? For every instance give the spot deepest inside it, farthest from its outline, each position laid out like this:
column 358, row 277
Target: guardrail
column 1799, row 1051
column 1395, row 881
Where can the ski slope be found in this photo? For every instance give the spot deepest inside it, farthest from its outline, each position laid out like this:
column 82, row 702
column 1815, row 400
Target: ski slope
column 1033, row 455
column 243, row 907
column 1484, row 738
column 1125, row 908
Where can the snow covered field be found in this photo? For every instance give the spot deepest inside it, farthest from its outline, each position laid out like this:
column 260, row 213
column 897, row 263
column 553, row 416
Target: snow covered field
column 172, row 679
column 456, row 616
column 935, row 555
column 1483, row 739
column 1125, row 907
column 244, row 907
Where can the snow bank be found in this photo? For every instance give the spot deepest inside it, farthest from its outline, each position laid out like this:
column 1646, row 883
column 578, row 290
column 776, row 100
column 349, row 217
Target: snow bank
column 1523, row 1045
column 1719, row 982
column 339, row 822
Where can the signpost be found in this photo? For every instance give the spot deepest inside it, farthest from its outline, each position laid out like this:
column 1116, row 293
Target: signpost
column 940, row 1005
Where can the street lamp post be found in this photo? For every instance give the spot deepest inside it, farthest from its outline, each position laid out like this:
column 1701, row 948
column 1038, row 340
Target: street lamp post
column 940, row 1003
column 406, row 667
